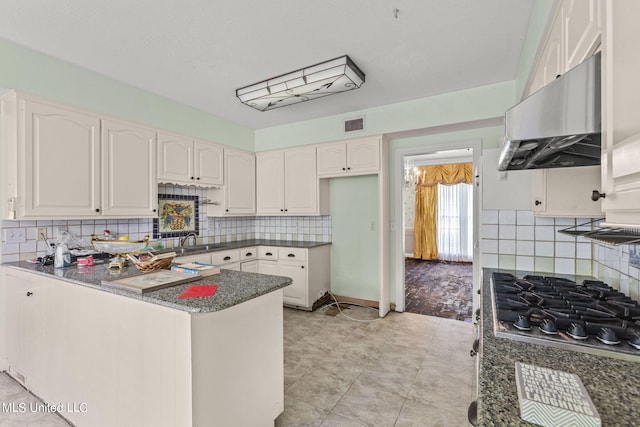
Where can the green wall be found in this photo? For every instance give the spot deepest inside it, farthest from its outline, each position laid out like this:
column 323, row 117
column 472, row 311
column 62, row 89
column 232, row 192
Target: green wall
column 32, row 72
column 455, row 107
column 354, row 245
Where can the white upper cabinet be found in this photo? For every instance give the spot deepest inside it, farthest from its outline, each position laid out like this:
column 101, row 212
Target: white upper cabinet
column 620, row 119
column 129, row 186
column 61, row 162
column 566, row 192
column 51, row 159
column 183, row 160
column 287, row 183
column 240, row 183
column 582, row 29
column 353, row 157
column 573, row 35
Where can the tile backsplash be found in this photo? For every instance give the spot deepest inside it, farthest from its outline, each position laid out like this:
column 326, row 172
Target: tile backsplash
column 211, row 230
column 521, row 241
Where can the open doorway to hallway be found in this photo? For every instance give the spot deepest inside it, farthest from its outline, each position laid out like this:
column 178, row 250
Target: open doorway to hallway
column 438, row 225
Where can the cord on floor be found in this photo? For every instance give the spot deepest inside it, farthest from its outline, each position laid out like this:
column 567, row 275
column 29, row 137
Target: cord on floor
column 337, row 304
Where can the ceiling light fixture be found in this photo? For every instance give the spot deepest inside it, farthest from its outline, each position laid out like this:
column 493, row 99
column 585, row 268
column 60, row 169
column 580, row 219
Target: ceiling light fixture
column 323, row 79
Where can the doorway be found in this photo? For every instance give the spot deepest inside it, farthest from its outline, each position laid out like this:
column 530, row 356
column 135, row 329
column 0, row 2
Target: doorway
column 438, row 228
column 444, row 287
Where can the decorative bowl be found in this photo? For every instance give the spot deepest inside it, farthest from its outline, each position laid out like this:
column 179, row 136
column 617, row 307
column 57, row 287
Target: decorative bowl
column 118, row 247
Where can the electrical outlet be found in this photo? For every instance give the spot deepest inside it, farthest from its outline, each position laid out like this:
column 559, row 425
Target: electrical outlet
column 42, row 233
column 14, row 235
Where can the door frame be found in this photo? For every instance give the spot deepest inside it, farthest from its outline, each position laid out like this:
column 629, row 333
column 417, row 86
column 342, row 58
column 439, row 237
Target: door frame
column 399, row 155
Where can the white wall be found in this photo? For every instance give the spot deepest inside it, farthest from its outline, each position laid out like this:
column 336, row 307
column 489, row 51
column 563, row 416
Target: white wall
column 510, row 190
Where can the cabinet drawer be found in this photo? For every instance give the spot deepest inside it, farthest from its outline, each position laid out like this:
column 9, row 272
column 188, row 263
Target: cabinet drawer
column 293, row 254
column 225, row 257
column 249, row 253
column 268, row 252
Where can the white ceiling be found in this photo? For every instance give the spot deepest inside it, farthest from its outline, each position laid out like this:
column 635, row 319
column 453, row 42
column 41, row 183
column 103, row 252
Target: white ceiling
column 198, row 52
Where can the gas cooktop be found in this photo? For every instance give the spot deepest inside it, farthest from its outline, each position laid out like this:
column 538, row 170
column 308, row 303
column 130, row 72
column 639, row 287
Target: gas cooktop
column 591, row 317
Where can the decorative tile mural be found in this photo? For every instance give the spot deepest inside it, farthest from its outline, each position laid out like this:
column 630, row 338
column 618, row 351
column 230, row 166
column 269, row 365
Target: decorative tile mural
column 178, row 215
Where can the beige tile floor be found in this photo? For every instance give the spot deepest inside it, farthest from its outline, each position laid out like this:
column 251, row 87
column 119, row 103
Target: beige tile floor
column 403, row 370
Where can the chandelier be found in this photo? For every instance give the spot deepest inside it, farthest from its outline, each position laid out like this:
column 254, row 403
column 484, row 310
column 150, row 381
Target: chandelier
column 319, row 80
column 410, row 174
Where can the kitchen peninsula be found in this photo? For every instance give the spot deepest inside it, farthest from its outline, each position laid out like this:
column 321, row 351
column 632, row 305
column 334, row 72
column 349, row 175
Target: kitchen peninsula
column 151, row 359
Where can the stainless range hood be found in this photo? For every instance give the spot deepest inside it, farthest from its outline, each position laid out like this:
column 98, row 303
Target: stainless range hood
column 557, row 126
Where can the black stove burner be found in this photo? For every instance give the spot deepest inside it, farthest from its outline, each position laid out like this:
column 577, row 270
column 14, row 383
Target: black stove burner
column 588, row 314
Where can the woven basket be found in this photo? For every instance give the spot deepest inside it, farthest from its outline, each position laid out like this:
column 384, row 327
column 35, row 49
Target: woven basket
column 159, row 264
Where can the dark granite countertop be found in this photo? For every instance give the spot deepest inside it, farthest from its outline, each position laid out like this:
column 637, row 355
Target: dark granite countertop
column 612, row 384
column 217, row 247
column 234, row 287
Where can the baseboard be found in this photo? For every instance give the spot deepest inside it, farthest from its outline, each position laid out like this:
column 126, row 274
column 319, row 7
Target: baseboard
column 368, row 303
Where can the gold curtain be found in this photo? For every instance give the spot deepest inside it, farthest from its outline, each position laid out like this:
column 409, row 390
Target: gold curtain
column 425, row 224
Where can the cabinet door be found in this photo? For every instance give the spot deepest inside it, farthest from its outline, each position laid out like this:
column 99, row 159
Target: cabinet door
column 566, row 192
column 363, row 156
column 582, row 30
column 208, row 163
column 332, row 159
column 552, row 57
column 270, row 183
column 296, row 293
column 268, row 267
column 249, row 266
column 300, row 181
column 62, row 161
column 240, row 182
column 129, row 184
column 621, row 127
column 175, row 159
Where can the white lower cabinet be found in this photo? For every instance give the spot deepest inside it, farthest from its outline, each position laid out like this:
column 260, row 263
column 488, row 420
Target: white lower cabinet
column 309, row 270
column 133, row 363
column 249, row 266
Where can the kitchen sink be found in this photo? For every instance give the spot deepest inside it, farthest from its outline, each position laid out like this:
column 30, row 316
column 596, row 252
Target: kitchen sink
column 191, row 249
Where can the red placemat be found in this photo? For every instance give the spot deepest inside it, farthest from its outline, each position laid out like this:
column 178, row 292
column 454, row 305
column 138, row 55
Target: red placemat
column 194, row 291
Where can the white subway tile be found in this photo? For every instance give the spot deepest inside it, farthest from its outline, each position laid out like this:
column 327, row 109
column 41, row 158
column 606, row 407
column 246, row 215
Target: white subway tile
column 545, row 249
column 525, row 232
column 507, row 217
column 524, row 248
column 565, row 250
column 507, row 247
column 525, row 218
column 489, row 216
column 542, row 220
column 490, row 231
column 583, row 250
column 565, row 265
column 489, row 246
column 544, row 232
column 525, row 263
column 507, row 231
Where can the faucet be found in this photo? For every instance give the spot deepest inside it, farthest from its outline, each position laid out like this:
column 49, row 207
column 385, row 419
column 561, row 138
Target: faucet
column 184, row 238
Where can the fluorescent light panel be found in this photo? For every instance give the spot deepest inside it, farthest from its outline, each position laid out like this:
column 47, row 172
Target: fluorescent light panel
column 323, row 79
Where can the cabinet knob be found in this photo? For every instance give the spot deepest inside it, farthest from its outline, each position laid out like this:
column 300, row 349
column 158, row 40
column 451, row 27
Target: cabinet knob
column 227, row 258
column 248, row 254
column 269, row 254
column 226, row 210
column 344, row 169
column 198, row 178
column 538, row 202
column 286, row 210
column 281, row 210
column 302, row 266
column 291, row 255
column 349, row 168
column 97, row 210
column 154, row 210
column 596, row 195
column 192, row 178
column 29, row 294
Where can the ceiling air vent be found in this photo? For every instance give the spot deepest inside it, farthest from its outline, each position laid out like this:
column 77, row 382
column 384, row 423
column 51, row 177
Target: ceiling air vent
column 354, row 125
